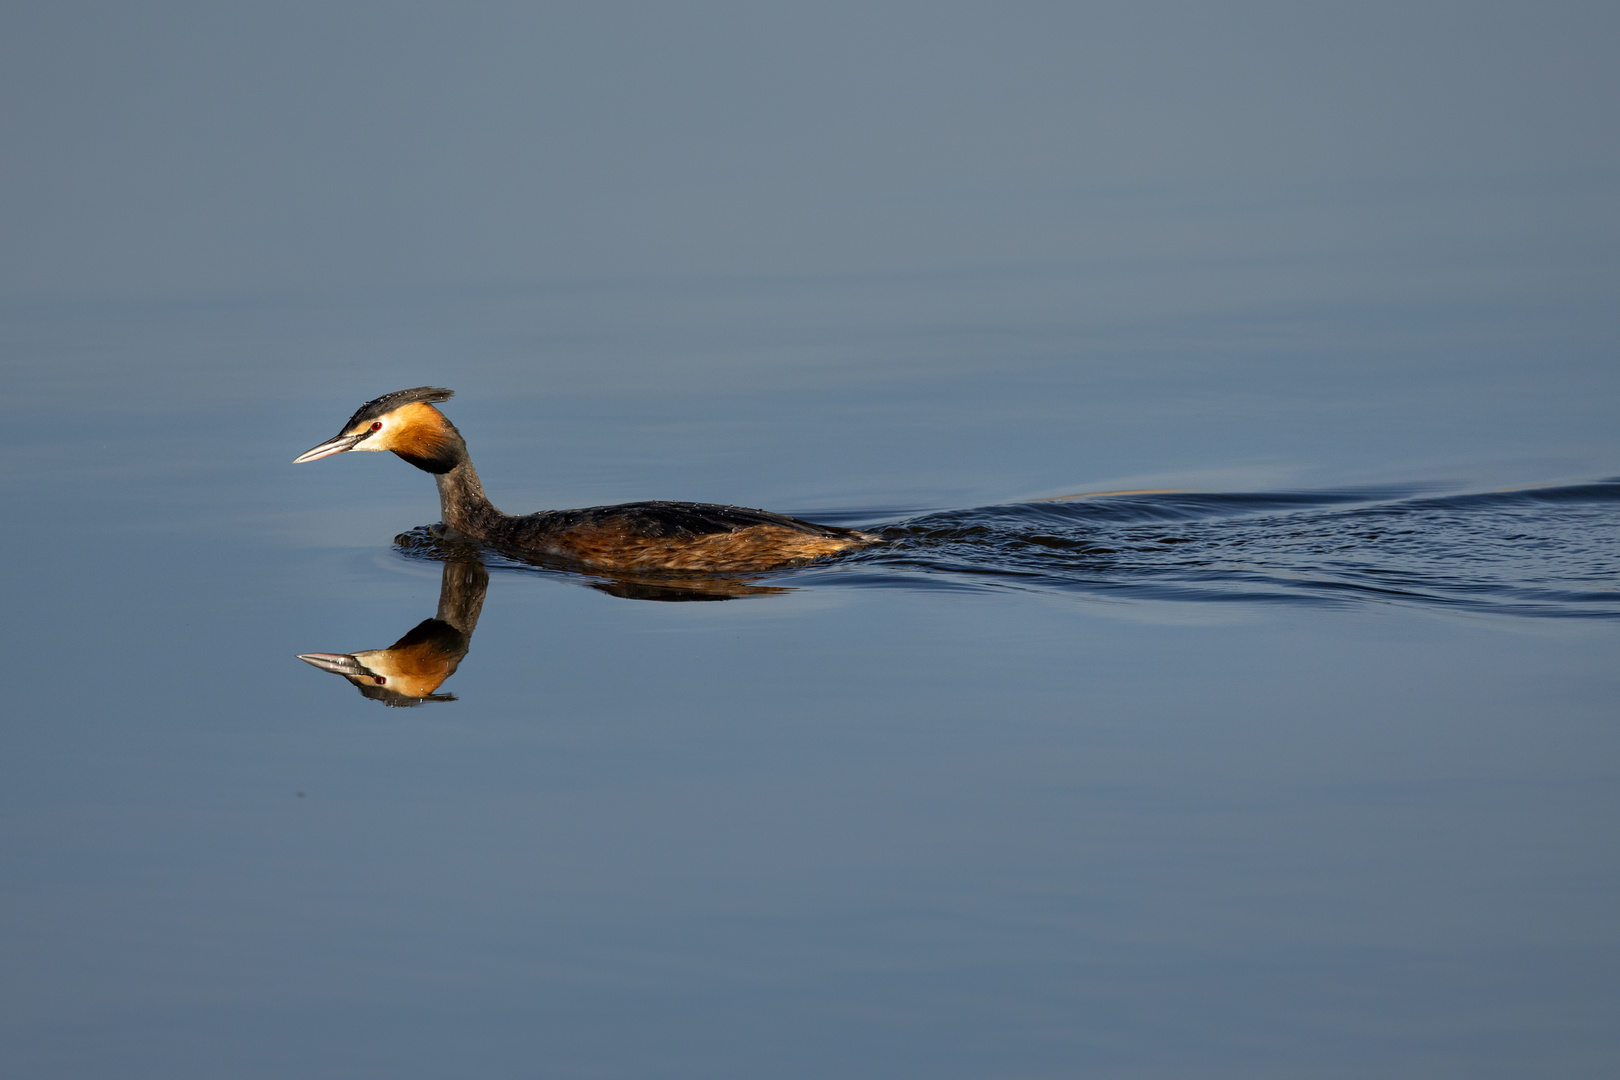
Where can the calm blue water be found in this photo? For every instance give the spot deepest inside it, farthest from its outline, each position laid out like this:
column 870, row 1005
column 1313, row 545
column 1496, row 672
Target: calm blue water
column 1234, row 696
column 1304, row 767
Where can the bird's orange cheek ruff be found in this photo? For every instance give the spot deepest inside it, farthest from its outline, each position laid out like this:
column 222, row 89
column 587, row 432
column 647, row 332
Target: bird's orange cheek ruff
column 416, row 430
column 417, row 433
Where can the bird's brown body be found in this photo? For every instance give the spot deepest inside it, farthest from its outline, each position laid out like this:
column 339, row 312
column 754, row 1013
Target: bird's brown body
column 640, row 536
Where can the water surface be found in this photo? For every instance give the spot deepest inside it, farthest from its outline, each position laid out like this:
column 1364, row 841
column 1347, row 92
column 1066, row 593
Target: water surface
column 1218, row 705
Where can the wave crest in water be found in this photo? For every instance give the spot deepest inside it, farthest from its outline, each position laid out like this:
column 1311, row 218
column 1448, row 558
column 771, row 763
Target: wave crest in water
column 1546, row 551
column 1551, row 551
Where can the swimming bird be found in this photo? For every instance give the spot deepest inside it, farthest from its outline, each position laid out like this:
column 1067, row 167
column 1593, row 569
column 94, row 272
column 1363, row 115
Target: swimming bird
column 657, row 536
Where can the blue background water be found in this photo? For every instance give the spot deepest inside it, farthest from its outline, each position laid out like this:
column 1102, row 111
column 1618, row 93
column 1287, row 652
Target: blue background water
column 1328, row 788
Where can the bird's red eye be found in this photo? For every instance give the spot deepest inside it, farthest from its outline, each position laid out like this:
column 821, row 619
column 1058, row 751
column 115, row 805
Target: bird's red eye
column 378, row 679
column 376, row 425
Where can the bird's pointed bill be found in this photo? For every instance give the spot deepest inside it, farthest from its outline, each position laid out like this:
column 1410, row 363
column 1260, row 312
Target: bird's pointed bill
column 329, row 447
column 336, row 663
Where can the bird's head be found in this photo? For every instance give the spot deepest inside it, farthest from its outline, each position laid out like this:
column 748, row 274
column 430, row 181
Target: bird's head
column 406, row 423
column 408, row 671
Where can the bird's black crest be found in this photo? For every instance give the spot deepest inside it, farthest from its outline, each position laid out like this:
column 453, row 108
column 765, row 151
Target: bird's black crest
column 389, row 402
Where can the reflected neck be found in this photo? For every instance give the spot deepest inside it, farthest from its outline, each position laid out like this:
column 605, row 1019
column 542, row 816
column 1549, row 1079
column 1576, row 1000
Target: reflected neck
column 461, row 595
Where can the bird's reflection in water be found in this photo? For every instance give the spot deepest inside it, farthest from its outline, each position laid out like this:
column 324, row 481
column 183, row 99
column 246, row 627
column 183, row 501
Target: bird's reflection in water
column 676, row 589
column 411, row 670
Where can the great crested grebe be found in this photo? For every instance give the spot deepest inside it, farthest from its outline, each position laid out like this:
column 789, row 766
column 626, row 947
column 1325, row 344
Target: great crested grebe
column 631, row 536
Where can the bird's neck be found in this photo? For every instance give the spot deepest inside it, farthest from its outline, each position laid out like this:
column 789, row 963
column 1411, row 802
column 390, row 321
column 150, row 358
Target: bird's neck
column 463, row 504
column 440, row 450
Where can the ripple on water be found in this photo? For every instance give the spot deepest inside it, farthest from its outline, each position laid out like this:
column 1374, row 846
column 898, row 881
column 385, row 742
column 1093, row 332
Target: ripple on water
column 1551, row 551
